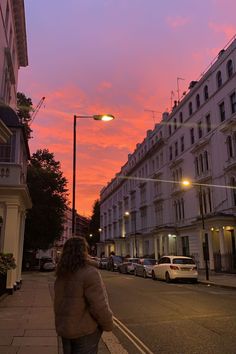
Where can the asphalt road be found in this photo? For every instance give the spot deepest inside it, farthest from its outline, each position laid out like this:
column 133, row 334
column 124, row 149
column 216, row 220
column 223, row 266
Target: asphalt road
column 171, row 318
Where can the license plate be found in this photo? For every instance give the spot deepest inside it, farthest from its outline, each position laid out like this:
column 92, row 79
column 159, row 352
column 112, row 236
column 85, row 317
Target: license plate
column 185, row 269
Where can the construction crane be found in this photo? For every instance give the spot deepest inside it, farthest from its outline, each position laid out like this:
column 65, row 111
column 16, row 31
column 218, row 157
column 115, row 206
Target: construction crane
column 37, row 108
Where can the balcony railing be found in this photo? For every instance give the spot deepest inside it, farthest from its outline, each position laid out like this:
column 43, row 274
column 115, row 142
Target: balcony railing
column 11, row 174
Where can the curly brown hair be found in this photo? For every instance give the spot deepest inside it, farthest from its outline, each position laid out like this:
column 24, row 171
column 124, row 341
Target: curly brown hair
column 73, row 257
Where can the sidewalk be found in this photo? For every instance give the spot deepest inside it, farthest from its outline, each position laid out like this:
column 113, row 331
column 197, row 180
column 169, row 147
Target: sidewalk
column 27, row 320
column 224, row 280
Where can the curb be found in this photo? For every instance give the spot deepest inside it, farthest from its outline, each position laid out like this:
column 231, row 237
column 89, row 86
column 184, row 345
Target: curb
column 209, row 283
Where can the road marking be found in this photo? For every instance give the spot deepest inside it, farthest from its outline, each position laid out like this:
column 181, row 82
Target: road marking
column 113, row 344
column 131, row 336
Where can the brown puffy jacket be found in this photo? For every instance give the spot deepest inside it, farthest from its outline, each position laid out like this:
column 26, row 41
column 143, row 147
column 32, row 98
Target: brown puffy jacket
column 81, row 303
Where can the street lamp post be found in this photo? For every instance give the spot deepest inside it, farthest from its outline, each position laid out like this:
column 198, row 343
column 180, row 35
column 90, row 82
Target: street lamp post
column 205, row 243
column 135, row 236
column 102, row 117
column 127, row 214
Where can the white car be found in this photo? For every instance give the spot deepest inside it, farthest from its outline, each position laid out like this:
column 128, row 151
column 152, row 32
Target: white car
column 175, row 268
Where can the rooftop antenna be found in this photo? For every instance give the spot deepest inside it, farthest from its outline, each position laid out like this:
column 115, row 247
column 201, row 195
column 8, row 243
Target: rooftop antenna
column 178, row 79
column 153, row 113
column 172, row 95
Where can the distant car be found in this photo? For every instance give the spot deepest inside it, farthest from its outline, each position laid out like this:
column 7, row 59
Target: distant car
column 113, row 262
column 144, row 267
column 103, row 262
column 175, row 268
column 128, row 265
column 47, row 264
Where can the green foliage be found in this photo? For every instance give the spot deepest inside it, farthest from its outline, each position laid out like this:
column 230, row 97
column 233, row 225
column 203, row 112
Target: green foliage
column 7, row 262
column 94, row 224
column 47, row 186
column 24, row 109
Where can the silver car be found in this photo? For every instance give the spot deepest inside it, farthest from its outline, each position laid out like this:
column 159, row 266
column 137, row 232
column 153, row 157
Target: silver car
column 144, row 267
column 127, row 267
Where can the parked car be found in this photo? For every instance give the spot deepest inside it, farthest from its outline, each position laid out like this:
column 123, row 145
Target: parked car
column 47, row 264
column 113, row 262
column 144, row 267
column 175, row 267
column 103, row 262
column 128, row 265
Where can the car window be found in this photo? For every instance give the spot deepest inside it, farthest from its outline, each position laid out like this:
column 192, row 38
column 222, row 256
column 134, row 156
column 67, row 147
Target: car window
column 149, row 261
column 183, row 261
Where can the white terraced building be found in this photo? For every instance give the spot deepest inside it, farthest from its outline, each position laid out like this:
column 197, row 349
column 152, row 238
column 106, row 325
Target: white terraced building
column 195, row 142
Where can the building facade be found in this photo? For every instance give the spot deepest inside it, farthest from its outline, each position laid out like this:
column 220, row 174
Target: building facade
column 14, row 151
column 146, row 209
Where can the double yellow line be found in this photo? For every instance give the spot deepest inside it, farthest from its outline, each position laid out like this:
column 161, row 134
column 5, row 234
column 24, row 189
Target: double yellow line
column 132, row 338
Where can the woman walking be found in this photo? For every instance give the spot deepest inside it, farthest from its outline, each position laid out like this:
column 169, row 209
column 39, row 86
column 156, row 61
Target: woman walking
column 81, row 306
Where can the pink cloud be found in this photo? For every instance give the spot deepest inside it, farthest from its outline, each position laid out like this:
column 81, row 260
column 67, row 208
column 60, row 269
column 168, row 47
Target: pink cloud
column 177, row 21
column 228, row 30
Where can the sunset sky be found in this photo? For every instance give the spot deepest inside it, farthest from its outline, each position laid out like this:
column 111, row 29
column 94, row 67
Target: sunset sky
column 114, row 56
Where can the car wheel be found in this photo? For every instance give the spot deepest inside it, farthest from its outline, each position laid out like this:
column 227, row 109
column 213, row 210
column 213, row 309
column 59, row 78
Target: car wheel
column 167, row 277
column 194, row 281
column 144, row 274
column 153, row 275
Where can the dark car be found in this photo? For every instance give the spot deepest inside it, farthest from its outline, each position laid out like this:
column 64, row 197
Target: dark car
column 113, row 262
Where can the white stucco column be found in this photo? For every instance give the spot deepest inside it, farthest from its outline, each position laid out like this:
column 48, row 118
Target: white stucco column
column 222, row 248
column 156, row 247
column 140, row 247
column 201, row 255
column 166, row 244
column 211, row 254
column 20, row 249
column 11, row 240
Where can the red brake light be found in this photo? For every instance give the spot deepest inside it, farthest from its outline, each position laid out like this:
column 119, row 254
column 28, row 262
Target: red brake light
column 174, row 267
column 194, row 268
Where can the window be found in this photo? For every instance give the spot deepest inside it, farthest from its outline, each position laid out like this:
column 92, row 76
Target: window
column 182, row 143
column 176, row 148
column 206, row 93
column 192, row 135
column 185, row 245
column 7, row 150
column 181, row 117
column 208, row 122
column 219, row 79
column 170, row 153
column 196, row 166
column 198, row 103
column 190, row 108
column 199, row 130
column 230, row 68
column 233, row 184
column 175, row 124
column 201, row 163
column 229, row 146
column 222, row 111
column 233, row 102
column 206, row 160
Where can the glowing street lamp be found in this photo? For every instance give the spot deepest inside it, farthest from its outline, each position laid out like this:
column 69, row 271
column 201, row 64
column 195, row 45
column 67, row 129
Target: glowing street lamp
column 101, row 117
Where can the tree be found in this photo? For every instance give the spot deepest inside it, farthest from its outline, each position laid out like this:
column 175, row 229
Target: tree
column 94, row 224
column 47, row 187
column 24, row 109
